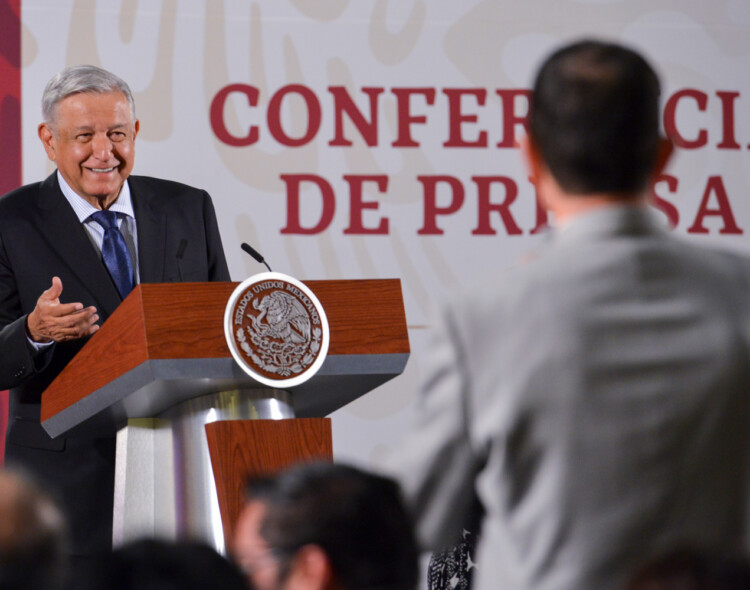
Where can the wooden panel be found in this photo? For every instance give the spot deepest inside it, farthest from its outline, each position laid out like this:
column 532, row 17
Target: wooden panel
column 186, row 321
column 365, row 317
column 243, row 448
column 118, row 347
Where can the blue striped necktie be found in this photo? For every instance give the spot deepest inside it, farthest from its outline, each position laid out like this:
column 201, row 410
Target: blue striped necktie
column 115, row 252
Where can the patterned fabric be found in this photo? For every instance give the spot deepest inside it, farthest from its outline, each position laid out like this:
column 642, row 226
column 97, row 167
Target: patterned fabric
column 452, row 569
column 115, row 252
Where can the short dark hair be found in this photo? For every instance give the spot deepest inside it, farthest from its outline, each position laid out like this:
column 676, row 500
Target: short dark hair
column 594, row 118
column 357, row 518
column 156, row 564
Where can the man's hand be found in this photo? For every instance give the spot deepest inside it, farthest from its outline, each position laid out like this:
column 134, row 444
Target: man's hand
column 54, row 321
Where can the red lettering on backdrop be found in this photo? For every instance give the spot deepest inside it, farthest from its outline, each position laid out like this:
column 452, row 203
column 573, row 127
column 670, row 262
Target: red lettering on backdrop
column 670, row 118
column 456, row 117
column 405, row 118
column 431, row 209
column 357, row 205
column 514, row 114
column 274, row 115
column 510, row 119
column 513, row 117
column 217, row 115
column 715, row 185
column 484, row 185
column 728, row 142
column 293, row 225
column 343, row 103
column 673, row 215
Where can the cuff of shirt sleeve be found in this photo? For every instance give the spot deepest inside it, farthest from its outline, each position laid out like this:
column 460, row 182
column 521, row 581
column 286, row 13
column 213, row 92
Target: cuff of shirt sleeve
column 39, row 346
column 36, row 347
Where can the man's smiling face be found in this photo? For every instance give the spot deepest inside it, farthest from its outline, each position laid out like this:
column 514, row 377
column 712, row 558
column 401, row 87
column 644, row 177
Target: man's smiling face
column 92, row 141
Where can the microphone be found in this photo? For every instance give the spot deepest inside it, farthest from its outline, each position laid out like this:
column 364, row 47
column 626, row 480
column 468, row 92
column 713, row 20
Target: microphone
column 255, row 254
column 179, row 255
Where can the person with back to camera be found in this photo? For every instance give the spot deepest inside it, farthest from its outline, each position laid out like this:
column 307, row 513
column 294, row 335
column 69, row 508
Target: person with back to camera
column 590, row 405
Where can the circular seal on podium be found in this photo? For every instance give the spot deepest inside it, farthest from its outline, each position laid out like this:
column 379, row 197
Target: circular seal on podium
column 276, row 329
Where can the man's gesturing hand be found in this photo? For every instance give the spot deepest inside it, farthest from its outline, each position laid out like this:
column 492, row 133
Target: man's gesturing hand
column 55, row 321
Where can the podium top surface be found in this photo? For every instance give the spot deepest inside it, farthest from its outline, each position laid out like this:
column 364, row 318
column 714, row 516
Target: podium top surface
column 166, row 343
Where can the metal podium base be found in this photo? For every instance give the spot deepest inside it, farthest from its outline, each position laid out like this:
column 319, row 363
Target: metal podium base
column 164, row 484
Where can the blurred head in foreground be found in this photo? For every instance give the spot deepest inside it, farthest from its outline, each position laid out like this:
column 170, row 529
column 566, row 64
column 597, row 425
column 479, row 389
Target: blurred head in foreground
column 32, row 536
column 324, row 526
column 689, row 569
column 150, row 564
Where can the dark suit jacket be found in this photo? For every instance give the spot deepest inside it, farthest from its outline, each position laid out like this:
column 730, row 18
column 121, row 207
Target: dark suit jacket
column 41, row 237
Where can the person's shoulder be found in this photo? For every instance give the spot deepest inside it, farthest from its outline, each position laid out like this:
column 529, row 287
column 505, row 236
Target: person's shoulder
column 167, row 196
column 736, row 265
column 719, row 260
column 496, row 290
column 162, row 187
column 19, row 201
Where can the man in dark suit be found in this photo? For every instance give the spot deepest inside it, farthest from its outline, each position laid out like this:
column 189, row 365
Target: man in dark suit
column 64, row 271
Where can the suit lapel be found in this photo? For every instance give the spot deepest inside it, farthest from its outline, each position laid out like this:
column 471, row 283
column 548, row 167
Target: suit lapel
column 152, row 232
column 59, row 225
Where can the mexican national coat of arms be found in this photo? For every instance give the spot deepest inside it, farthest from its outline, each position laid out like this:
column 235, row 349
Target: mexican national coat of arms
column 276, row 329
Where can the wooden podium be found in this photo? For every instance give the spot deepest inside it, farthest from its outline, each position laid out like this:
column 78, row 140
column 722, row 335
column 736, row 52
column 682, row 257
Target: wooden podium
column 191, row 425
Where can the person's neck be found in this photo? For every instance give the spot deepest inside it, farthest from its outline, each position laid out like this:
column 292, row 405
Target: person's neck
column 102, row 203
column 567, row 206
column 582, row 204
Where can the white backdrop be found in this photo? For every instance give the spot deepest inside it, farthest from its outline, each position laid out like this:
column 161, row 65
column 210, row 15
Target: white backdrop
column 455, row 57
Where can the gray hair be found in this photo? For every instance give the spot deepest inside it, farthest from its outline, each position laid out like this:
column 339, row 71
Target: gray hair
column 78, row 79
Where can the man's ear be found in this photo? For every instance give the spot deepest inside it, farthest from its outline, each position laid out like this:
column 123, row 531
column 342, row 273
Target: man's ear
column 531, row 159
column 539, row 174
column 49, row 141
column 666, row 149
column 47, row 137
column 310, row 570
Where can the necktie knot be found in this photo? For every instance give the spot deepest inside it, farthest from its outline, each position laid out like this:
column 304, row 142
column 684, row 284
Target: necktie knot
column 107, row 219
